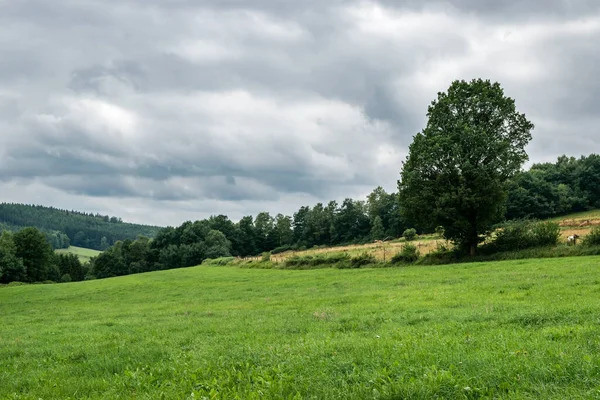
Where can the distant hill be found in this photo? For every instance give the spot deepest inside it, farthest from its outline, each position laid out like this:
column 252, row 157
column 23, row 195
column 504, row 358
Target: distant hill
column 66, row 228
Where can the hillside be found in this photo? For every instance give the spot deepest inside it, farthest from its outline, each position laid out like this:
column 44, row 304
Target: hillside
column 83, row 254
column 92, row 231
column 461, row 331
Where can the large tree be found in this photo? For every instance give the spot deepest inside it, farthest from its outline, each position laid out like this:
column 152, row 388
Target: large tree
column 458, row 167
column 36, row 253
column 11, row 267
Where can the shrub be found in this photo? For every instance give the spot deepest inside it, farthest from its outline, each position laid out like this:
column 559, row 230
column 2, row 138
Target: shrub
column 592, row 238
column 303, row 262
column 266, row 256
column 410, row 234
column 514, row 235
column 523, row 234
column 358, row 261
column 221, row 261
column 281, row 249
column 439, row 230
column 409, row 254
column 66, row 278
column 545, row 233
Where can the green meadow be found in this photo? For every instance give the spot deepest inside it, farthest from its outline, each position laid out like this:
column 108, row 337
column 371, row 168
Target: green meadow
column 526, row 329
column 83, row 254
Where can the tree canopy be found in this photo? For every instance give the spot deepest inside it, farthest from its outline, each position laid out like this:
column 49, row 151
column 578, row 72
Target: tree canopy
column 63, row 227
column 457, row 171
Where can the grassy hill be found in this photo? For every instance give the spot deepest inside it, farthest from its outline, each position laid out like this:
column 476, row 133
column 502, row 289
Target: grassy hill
column 522, row 329
column 83, row 254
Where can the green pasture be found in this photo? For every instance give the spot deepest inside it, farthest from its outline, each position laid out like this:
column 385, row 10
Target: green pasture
column 83, row 253
column 526, row 329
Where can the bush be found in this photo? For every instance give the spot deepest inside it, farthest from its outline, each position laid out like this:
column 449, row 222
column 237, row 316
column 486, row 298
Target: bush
column 221, row 261
column 409, row 254
column 305, row 262
column 439, row 230
column 66, row 278
column 545, row 233
column 592, row 238
column 410, row 234
column 357, row 261
column 266, row 257
column 523, row 234
column 514, row 235
column 281, row 249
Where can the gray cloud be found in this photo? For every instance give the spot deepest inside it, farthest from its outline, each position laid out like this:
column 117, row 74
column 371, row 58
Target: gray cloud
column 170, row 110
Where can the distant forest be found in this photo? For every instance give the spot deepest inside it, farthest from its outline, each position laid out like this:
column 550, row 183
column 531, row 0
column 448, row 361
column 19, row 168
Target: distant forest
column 63, row 228
column 546, row 190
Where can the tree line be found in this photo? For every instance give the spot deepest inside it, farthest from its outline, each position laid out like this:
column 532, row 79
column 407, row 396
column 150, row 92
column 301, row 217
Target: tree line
column 26, row 256
column 544, row 191
column 64, row 228
column 463, row 175
column 551, row 189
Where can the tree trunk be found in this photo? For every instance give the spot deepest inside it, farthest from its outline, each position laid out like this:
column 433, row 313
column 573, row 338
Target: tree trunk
column 473, row 249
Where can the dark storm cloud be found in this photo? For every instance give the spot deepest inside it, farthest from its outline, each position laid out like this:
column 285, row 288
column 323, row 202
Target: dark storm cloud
column 235, row 107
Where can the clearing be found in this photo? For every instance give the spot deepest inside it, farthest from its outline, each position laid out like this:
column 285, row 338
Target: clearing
column 81, row 252
column 515, row 329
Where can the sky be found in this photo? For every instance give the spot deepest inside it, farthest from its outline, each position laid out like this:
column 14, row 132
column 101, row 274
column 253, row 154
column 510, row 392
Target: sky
column 162, row 111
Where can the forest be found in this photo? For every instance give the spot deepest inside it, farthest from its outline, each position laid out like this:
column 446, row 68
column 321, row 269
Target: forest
column 64, row 228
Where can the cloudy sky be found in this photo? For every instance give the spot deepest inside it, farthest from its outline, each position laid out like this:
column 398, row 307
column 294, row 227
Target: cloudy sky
column 160, row 111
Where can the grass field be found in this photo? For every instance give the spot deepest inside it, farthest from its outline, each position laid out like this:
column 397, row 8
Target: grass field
column 525, row 329
column 83, row 254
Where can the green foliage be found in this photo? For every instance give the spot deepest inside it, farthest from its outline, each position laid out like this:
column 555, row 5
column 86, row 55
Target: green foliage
column 69, row 264
column 410, row 234
column 222, row 261
column 523, row 234
column 281, row 249
column 362, row 260
column 479, row 330
column 109, row 264
column 266, row 256
column 593, row 238
column 11, row 267
column 545, row 233
column 318, row 261
column 66, row 278
column 377, row 231
column 32, row 247
column 193, row 254
column 358, row 261
column 409, row 254
column 551, row 189
column 64, row 228
column 217, row 245
column 458, row 167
